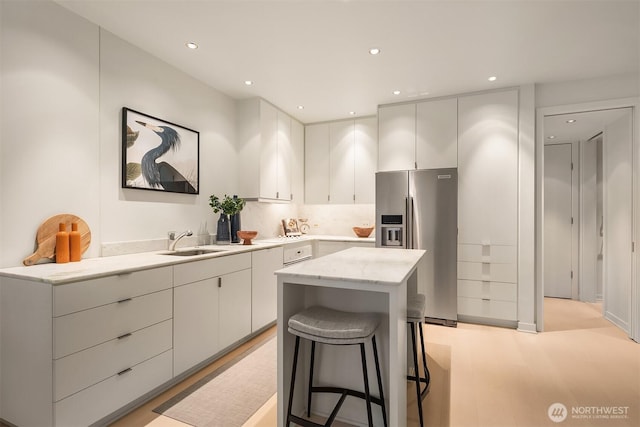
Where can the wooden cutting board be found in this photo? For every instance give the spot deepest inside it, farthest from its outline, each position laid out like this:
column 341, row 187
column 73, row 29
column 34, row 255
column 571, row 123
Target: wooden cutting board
column 46, row 237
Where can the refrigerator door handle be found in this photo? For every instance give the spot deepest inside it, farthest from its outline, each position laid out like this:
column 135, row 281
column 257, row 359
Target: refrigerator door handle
column 409, row 226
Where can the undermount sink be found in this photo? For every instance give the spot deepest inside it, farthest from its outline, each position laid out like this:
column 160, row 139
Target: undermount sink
column 193, row 252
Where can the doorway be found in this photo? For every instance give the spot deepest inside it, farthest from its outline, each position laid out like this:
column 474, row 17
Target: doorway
column 599, row 257
column 558, row 220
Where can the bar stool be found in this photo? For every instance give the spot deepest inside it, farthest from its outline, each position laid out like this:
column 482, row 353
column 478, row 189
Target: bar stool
column 327, row 326
column 415, row 316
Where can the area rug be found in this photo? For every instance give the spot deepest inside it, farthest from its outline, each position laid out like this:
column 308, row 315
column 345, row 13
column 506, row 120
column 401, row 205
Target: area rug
column 230, row 395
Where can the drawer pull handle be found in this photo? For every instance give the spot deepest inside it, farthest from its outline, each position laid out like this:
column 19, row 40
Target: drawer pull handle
column 486, row 299
column 124, row 300
column 124, row 371
column 128, row 334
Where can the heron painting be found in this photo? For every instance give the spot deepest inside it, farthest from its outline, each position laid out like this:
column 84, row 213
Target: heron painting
column 158, row 155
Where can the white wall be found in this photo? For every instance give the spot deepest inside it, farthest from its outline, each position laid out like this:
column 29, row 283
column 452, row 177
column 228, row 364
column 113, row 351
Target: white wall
column 64, row 83
column 132, row 78
column 579, row 91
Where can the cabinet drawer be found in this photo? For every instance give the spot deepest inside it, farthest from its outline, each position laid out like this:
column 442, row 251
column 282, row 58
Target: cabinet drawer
column 492, row 290
column 92, row 404
column 205, row 269
column 487, row 271
column 501, row 254
column 85, row 368
column 79, row 296
column 292, row 254
column 77, row 331
column 493, row 309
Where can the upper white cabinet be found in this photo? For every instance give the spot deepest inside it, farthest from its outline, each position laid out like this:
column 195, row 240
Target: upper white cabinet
column 437, row 134
column 297, row 161
column 488, row 168
column 418, row 135
column 266, row 151
column 366, row 159
column 340, row 161
column 316, row 163
column 396, row 137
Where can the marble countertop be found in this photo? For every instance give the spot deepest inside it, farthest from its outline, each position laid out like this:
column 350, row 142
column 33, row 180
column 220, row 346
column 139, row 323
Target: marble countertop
column 370, row 265
column 90, row 268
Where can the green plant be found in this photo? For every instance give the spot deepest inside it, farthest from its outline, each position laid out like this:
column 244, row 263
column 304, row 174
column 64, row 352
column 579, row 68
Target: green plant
column 228, row 205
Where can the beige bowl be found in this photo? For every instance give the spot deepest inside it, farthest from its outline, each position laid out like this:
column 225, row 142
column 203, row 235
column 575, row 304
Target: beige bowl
column 246, row 236
column 363, row 231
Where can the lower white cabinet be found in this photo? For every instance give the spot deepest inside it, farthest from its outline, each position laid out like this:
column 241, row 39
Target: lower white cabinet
column 72, row 358
column 75, row 353
column 212, row 307
column 264, row 286
column 195, row 323
column 234, row 305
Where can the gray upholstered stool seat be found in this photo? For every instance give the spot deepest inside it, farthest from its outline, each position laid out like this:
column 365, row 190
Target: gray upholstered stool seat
column 327, row 326
column 415, row 308
column 415, row 316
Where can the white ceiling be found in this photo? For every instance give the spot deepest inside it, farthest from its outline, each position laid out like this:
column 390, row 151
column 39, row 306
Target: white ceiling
column 315, row 53
column 585, row 126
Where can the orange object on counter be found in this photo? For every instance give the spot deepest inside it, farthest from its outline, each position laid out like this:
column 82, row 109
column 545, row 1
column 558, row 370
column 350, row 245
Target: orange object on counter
column 62, row 244
column 75, row 245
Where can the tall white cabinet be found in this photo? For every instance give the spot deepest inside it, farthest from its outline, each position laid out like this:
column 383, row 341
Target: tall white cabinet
column 478, row 134
column 267, row 147
column 488, row 205
column 340, row 161
column 421, row 135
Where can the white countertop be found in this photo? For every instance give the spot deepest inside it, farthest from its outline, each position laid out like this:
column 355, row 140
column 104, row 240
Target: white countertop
column 90, row 268
column 371, row 265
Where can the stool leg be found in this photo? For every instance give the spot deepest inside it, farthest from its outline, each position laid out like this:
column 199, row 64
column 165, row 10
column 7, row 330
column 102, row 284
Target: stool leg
column 375, row 355
column 366, row 384
column 417, row 373
column 313, row 354
column 427, row 375
column 293, row 378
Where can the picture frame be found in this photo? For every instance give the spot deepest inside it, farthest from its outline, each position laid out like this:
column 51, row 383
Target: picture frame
column 159, row 155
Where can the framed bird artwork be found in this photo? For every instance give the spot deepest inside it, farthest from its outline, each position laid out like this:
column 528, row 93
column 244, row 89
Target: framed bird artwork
column 159, row 155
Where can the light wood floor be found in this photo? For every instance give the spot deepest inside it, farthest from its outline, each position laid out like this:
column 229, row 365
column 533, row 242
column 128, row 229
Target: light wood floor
column 490, row 377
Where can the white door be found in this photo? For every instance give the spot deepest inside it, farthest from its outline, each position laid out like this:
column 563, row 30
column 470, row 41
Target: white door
column 557, row 221
column 589, row 220
column 618, row 230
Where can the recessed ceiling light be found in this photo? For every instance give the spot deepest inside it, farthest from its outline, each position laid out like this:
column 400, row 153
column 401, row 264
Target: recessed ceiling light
column 551, row 137
column 396, row 92
column 492, row 78
column 571, row 121
column 191, row 45
column 300, row 107
column 353, row 113
column 248, row 82
column 374, row 51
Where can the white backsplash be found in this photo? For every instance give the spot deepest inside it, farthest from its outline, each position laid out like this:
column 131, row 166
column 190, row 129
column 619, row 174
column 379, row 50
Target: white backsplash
column 337, row 220
column 265, row 218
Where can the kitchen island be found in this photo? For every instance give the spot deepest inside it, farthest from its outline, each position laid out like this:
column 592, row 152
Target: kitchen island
column 358, row 280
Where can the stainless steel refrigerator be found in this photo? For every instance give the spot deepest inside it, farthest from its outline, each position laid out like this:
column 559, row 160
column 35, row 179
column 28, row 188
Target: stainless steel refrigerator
column 418, row 209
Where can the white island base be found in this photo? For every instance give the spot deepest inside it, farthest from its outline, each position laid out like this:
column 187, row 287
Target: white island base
column 357, row 280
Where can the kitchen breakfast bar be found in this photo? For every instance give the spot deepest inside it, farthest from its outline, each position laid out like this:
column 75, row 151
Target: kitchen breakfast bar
column 372, row 280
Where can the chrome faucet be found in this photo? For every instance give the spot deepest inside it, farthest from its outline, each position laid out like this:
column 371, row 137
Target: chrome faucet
column 174, row 239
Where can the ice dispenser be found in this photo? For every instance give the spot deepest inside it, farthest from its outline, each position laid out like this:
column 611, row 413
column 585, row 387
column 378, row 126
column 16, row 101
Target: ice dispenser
column 392, row 230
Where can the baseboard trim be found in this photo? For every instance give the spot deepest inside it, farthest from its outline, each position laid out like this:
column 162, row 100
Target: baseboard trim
column 530, row 328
